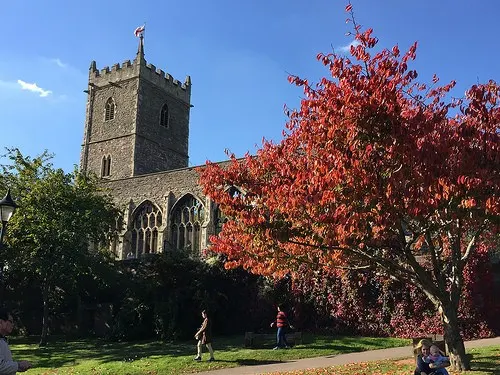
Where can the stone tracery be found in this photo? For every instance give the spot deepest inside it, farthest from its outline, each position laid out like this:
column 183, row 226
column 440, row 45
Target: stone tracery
column 146, row 221
column 188, row 216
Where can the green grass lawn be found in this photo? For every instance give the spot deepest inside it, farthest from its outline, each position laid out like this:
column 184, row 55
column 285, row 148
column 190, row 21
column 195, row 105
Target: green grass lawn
column 485, row 361
column 155, row 357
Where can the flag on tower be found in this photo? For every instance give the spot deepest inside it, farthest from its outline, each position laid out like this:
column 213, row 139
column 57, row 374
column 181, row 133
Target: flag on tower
column 139, row 30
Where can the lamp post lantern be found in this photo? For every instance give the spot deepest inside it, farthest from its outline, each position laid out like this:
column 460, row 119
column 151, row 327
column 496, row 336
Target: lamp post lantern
column 7, row 208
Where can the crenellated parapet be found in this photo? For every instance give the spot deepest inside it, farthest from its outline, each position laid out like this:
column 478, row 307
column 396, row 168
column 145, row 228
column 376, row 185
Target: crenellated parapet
column 139, row 68
column 117, row 72
column 160, row 78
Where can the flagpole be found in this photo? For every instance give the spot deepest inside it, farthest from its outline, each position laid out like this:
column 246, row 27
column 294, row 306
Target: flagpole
column 139, row 32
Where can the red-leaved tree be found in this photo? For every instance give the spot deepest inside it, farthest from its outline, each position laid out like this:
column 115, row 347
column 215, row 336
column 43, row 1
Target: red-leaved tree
column 370, row 303
column 375, row 170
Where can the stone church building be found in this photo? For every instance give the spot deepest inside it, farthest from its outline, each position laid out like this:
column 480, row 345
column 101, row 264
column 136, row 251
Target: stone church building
column 136, row 139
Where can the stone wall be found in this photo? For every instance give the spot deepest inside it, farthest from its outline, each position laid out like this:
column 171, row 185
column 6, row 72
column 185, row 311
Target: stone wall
column 112, row 137
column 155, row 187
column 149, row 161
column 124, row 123
column 139, row 91
column 160, row 148
column 121, row 151
column 164, row 190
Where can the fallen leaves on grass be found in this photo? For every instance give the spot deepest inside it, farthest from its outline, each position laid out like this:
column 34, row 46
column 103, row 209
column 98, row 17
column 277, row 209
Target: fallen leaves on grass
column 370, row 368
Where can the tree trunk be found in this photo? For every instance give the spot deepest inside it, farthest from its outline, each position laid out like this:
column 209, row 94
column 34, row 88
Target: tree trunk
column 453, row 339
column 45, row 321
column 79, row 316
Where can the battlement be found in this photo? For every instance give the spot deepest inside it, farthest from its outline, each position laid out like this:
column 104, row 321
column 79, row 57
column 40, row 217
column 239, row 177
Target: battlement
column 139, row 68
column 162, row 78
column 117, row 72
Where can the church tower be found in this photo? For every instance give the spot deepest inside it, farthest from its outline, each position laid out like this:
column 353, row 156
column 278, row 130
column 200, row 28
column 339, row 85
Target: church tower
column 137, row 120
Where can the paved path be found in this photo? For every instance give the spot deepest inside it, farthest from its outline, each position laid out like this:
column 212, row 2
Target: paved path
column 333, row 360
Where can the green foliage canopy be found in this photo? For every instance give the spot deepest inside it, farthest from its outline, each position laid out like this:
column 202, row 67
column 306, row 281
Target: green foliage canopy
column 62, row 220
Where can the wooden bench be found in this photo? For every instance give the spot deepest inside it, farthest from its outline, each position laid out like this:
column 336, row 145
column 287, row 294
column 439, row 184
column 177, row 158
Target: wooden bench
column 438, row 340
column 253, row 339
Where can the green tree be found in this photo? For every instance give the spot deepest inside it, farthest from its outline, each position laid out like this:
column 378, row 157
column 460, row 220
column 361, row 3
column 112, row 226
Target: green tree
column 55, row 234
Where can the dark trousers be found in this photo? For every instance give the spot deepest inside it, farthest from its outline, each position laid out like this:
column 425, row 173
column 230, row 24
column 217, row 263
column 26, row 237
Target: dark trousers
column 280, row 337
column 418, row 372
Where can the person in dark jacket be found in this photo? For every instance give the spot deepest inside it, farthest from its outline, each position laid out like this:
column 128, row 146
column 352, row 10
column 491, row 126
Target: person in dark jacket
column 204, row 337
column 282, row 324
column 423, row 367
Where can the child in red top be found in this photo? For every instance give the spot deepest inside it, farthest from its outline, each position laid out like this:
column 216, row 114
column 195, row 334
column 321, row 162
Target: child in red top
column 282, row 324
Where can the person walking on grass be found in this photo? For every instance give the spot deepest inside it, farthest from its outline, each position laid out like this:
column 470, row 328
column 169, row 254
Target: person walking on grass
column 204, row 337
column 7, row 365
column 282, row 324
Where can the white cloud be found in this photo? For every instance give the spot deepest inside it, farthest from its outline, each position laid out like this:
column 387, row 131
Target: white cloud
column 59, row 63
column 347, row 49
column 34, row 88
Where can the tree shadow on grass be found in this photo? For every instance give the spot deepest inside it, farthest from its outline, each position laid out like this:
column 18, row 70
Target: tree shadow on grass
column 489, row 363
column 345, row 344
column 61, row 353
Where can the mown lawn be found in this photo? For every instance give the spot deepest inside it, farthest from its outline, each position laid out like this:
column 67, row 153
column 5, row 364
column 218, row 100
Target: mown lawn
column 155, row 357
column 485, row 361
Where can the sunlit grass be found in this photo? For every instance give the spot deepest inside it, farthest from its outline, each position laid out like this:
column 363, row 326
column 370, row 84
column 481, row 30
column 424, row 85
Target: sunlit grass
column 155, row 357
column 485, row 361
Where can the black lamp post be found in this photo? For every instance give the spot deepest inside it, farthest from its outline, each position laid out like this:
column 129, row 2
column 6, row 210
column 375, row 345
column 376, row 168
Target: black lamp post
column 7, row 208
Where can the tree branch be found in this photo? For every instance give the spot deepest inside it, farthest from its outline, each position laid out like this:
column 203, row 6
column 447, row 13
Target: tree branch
column 391, row 268
column 471, row 244
column 421, row 274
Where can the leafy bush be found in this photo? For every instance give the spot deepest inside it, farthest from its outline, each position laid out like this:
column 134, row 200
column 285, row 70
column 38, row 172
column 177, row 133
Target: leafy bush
column 366, row 303
column 163, row 296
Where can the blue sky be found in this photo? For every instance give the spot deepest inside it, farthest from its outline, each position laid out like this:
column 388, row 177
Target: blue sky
column 237, row 53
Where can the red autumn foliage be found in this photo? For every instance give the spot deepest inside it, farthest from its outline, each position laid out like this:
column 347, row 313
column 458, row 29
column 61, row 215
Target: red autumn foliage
column 376, row 170
column 370, row 304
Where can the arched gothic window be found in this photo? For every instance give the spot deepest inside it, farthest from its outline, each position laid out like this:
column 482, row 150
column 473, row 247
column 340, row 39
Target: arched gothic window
column 110, row 109
column 147, row 219
column 164, row 116
column 220, row 218
column 115, row 237
column 188, row 216
column 106, row 166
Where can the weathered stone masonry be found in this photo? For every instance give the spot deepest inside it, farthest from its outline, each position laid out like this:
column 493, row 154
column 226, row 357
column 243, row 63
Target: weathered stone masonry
column 138, row 118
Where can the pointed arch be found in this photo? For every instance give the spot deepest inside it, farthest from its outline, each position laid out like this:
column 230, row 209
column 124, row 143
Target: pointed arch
column 233, row 191
column 103, row 166
column 110, row 109
column 144, row 227
column 220, row 218
column 115, row 236
column 187, row 218
column 164, row 116
column 106, row 166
